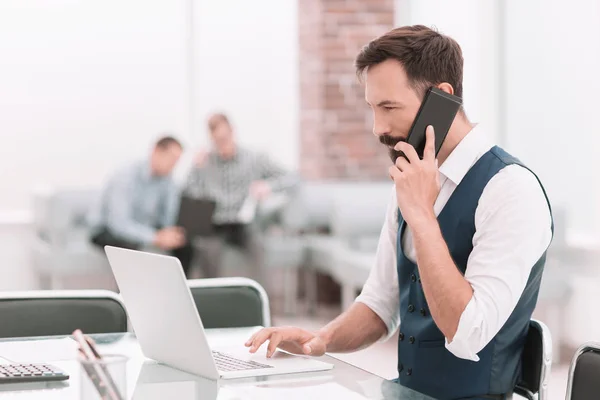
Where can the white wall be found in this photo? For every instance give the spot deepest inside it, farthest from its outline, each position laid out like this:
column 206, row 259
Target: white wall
column 88, row 85
column 472, row 23
column 247, row 66
column 553, row 60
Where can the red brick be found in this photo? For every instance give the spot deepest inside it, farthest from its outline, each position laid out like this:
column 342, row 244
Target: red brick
column 335, row 122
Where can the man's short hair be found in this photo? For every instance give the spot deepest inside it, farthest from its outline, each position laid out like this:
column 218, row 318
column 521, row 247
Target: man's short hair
column 166, row 141
column 217, row 119
column 427, row 56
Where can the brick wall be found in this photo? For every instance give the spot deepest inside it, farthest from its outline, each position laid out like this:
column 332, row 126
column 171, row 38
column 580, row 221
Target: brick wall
column 336, row 140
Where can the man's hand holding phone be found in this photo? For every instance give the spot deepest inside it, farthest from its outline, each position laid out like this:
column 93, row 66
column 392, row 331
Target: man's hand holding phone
column 417, row 181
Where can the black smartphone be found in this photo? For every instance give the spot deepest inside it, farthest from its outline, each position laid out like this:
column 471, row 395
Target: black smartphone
column 437, row 109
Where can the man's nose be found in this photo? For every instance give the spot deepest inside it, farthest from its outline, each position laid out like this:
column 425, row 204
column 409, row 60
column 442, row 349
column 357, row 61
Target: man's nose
column 380, row 128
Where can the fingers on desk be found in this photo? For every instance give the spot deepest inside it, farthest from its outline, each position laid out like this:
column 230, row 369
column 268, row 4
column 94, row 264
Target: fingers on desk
column 259, row 338
column 275, row 340
column 253, row 337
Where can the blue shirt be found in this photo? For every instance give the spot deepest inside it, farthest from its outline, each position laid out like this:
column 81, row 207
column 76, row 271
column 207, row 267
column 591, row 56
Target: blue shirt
column 134, row 204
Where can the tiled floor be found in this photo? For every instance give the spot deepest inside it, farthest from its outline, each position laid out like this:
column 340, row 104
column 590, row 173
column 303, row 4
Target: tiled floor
column 380, row 358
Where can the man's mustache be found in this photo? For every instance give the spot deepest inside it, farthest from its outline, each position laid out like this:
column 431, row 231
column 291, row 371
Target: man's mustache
column 388, row 140
column 391, row 141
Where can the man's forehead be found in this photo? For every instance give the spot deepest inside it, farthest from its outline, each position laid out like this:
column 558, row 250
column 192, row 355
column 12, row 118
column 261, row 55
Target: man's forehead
column 174, row 149
column 385, row 84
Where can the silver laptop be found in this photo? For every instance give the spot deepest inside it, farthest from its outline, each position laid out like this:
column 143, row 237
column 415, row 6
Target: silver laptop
column 167, row 325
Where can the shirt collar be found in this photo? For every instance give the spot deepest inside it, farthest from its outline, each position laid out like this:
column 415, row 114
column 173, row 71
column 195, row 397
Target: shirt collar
column 474, row 145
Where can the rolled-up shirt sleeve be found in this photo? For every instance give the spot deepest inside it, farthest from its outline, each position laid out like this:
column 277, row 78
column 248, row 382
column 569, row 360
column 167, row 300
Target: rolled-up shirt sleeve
column 279, row 179
column 511, row 236
column 380, row 292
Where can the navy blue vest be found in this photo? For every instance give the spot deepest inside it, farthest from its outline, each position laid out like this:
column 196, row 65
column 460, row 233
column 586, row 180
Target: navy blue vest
column 424, row 364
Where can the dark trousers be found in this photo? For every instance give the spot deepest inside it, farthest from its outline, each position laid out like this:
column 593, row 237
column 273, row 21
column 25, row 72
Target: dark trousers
column 238, row 235
column 185, row 254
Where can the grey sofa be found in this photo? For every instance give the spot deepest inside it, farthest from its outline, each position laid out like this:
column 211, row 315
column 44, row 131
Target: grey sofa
column 61, row 252
column 338, row 225
column 63, row 256
column 330, row 227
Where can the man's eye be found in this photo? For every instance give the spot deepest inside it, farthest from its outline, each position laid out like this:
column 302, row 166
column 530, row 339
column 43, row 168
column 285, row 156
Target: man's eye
column 389, row 108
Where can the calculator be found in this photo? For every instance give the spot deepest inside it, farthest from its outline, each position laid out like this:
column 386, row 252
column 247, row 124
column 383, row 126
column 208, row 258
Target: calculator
column 28, row 373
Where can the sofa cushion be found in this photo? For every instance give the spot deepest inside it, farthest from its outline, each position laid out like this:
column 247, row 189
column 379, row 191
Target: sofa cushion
column 320, row 250
column 336, row 257
column 352, row 267
column 61, row 217
column 360, row 212
column 282, row 251
column 314, row 203
column 365, row 244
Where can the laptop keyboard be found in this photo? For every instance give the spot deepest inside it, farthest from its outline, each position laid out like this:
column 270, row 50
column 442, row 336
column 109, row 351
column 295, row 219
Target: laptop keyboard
column 227, row 363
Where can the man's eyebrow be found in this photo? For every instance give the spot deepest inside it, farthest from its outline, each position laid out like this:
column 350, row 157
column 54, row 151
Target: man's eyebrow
column 388, row 103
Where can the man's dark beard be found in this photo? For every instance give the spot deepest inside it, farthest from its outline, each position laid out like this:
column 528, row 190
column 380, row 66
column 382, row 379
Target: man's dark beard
column 388, row 140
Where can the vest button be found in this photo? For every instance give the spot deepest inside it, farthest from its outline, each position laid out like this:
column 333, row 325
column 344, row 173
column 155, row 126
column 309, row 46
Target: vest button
column 411, row 308
column 413, row 278
column 401, row 336
column 411, row 339
column 409, row 372
column 423, row 312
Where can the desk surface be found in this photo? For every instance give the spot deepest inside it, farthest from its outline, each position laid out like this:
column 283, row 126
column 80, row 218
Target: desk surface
column 147, row 379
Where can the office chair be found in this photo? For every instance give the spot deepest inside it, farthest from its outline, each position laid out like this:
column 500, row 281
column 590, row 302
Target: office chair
column 60, row 312
column 230, row 302
column 584, row 373
column 536, row 362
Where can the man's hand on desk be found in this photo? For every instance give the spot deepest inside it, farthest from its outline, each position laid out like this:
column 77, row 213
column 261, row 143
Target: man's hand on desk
column 170, row 238
column 290, row 339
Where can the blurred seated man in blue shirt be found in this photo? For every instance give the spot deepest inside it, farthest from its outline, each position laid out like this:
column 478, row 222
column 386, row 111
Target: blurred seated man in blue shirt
column 139, row 206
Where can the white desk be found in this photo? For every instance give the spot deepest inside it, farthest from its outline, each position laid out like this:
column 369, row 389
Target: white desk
column 148, row 380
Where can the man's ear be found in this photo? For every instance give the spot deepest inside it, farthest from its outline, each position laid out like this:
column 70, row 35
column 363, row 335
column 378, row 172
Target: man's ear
column 446, row 87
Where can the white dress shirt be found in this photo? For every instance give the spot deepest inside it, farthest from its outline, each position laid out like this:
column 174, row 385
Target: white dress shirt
column 512, row 231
